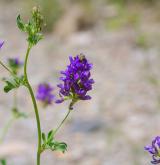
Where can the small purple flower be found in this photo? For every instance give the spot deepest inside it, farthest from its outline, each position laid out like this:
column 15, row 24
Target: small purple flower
column 154, row 150
column 44, row 93
column 1, row 43
column 14, row 64
column 15, row 61
column 76, row 81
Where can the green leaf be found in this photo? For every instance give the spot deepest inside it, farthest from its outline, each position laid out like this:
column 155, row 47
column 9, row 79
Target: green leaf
column 13, row 83
column 35, row 38
column 52, row 144
column 33, row 27
column 50, row 136
column 43, row 137
column 20, row 23
column 9, row 86
column 3, row 162
column 60, row 146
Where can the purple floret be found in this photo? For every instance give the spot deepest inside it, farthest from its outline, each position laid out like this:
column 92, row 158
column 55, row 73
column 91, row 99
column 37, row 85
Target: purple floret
column 15, row 64
column 45, row 93
column 76, row 80
column 154, row 150
column 1, row 43
column 15, row 61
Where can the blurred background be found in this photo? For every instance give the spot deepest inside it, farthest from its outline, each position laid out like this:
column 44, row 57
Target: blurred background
column 122, row 40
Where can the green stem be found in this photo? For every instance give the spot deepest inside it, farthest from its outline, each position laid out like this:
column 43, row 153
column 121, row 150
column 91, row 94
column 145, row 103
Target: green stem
column 56, row 130
column 15, row 99
column 6, row 128
column 35, row 106
column 1, row 63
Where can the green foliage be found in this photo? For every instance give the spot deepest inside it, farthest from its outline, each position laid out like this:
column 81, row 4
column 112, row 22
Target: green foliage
column 33, row 27
column 14, row 82
column 21, row 24
column 3, row 162
column 51, row 10
column 50, row 143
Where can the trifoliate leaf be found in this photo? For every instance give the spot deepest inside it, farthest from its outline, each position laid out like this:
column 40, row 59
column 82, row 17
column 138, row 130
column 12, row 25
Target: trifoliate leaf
column 52, row 144
column 13, row 83
column 60, row 146
column 9, row 86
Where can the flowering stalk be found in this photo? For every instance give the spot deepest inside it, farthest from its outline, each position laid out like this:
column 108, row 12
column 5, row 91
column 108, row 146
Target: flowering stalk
column 66, row 116
column 154, row 150
column 56, row 130
column 45, row 94
column 32, row 28
column 75, row 85
column 76, row 82
column 34, row 104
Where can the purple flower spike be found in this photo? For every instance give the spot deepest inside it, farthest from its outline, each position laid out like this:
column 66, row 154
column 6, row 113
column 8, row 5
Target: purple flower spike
column 76, row 81
column 44, row 93
column 1, row 44
column 154, row 150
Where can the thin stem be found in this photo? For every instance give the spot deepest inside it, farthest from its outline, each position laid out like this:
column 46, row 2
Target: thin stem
column 56, row 130
column 1, row 63
column 6, row 128
column 35, row 106
column 15, row 99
